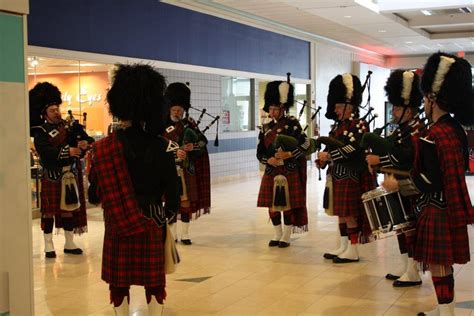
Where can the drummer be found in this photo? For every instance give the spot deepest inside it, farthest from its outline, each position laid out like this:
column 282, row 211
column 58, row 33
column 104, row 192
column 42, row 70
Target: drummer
column 403, row 93
column 441, row 229
column 347, row 168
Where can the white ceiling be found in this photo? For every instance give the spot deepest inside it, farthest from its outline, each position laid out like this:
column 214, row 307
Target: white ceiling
column 399, row 28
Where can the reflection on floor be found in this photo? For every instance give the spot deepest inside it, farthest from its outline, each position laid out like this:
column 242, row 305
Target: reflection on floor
column 230, row 270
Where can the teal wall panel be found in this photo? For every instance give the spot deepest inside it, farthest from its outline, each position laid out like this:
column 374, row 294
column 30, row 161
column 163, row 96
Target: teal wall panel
column 11, row 48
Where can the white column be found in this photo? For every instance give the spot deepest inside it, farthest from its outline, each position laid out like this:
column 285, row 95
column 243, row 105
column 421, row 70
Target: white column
column 16, row 272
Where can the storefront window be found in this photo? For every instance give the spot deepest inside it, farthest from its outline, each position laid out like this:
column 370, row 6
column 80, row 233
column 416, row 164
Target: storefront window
column 83, row 86
column 300, row 90
column 237, row 104
column 300, row 98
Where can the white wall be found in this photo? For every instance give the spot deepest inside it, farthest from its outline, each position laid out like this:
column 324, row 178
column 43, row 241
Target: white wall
column 206, row 93
column 377, row 93
column 16, row 273
column 331, row 61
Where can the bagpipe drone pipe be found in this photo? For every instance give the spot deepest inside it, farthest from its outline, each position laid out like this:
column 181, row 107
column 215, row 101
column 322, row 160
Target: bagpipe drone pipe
column 215, row 120
column 76, row 131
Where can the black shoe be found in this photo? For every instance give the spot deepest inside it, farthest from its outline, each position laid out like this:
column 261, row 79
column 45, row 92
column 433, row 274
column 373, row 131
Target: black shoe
column 186, row 242
column 77, row 251
column 344, row 260
column 283, row 244
column 328, row 255
column 50, row 254
column 273, row 243
column 399, row 283
column 392, row 277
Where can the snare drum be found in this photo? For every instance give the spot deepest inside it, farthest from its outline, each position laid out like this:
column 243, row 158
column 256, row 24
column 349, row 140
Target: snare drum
column 387, row 212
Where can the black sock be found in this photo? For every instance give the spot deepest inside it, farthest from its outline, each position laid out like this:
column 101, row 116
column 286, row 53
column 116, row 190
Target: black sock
column 68, row 223
column 47, row 224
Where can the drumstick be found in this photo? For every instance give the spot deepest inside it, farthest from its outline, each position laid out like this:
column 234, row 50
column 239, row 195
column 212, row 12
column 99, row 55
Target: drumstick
column 395, row 171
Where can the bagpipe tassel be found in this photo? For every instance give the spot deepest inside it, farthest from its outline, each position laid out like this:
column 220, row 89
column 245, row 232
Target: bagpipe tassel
column 71, row 195
column 281, row 194
column 280, row 198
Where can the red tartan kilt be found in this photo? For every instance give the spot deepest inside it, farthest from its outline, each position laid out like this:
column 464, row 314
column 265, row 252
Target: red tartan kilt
column 295, row 184
column 51, row 196
column 191, row 186
column 438, row 243
column 347, row 198
column 136, row 259
column 203, row 178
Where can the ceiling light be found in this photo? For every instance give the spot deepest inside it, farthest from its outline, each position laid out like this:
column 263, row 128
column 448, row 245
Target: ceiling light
column 348, row 16
column 426, row 12
column 408, row 42
column 382, row 31
column 34, row 62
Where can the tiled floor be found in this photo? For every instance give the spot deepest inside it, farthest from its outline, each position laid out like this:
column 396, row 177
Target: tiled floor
column 230, row 270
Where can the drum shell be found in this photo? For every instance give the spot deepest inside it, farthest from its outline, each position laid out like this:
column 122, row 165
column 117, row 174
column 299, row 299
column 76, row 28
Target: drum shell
column 388, row 212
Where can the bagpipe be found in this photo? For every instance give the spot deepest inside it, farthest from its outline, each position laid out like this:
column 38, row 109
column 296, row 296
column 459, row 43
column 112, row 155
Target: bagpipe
column 180, row 134
column 186, row 131
column 352, row 135
column 290, row 142
column 287, row 141
column 378, row 145
column 76, row 131
column 215, row 119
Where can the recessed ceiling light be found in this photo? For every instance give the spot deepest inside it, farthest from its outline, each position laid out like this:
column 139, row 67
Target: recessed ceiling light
column 408, row 42
column 426, row 12
column 348, row 16
column 382, row 31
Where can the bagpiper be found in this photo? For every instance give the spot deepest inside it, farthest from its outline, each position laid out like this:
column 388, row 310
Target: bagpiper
column 444, row 207
column 283, row 186
column 60, row 145
column 347, row 169
column 397, row 151
column 192, row 160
